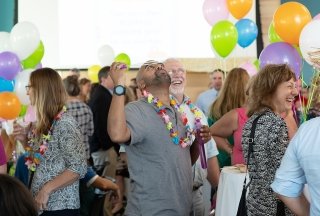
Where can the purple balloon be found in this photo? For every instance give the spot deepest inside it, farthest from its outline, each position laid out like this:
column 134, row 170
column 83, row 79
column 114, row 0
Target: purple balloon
column 281, row 53
column 39, row 65
column 9, row 65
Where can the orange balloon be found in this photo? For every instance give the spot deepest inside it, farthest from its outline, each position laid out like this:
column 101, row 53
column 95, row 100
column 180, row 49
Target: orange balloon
column 239, row 8
column 10, row 105
column 289, row 20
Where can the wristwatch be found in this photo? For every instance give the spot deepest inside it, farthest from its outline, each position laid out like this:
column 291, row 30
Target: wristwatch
column 119, row 90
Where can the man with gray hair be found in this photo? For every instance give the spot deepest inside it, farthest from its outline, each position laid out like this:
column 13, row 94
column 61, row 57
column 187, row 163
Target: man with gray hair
column 159, row 149
column 178, row 83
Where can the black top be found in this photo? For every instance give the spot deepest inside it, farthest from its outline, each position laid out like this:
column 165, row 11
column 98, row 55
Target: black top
column 99, row 103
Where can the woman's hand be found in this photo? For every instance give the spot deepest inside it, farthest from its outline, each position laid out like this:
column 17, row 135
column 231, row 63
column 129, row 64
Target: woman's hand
column 42, row 199
column 20, row 133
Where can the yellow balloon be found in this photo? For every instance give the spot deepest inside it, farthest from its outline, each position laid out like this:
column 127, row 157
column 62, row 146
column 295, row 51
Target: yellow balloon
column 93, row 73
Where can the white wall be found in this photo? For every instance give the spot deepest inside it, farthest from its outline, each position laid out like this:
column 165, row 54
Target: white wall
column 73, row 30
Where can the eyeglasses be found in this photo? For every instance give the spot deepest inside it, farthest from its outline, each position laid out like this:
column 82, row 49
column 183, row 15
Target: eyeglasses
column 153, row 65
column 179, row 70
column 28, row 87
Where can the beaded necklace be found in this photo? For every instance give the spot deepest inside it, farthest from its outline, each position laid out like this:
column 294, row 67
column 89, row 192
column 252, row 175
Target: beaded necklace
column 161, row 111
column 33, row 157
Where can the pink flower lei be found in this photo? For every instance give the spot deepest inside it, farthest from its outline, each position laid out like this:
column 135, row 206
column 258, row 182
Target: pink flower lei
column 33, row 157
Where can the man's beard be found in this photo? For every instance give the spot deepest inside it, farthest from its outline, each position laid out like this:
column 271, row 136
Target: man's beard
column 159, row 79
column 176, row 91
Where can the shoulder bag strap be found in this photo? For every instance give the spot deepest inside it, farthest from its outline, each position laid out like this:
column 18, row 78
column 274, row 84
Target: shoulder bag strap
column 250, row 148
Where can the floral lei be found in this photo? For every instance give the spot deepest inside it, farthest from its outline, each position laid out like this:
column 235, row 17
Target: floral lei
column 174, row 134
column 197, row 114
column 33, row 158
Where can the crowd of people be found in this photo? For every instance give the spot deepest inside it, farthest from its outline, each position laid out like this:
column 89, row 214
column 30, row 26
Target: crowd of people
column 89, row 137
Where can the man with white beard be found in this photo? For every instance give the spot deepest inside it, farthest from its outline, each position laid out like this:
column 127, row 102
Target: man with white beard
column 178, row 82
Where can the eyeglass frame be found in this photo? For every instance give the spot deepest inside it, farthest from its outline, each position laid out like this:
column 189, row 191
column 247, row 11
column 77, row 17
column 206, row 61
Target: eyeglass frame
column 180, row 70
column 28, row 87
column 151, row 65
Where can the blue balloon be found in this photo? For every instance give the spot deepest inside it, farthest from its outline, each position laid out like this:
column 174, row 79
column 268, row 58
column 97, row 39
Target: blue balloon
column 247, row 32
column 6, row 85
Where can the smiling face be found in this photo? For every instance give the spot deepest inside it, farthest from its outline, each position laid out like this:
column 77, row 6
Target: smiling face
column 178, row 76
column 284, row 96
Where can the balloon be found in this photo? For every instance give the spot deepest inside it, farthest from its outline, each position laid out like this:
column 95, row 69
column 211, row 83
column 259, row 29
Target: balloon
column 30, row 115
column 34, row 58
column 38, row 66
column 249, row 67
column 106, row 55
column 272, row 34
column 93, row 73
column 22, row 79
column 9, row 65
column 214, row 11
column 9, row 105
column 289, row 20
column 256, row 63
column 6, row 85
column 4, row 41
column 25, row 39
column 281, row 53
column 247, row 32
column 317, row 17
column 239, row 8
column 124, row 58
column 23, row 110
column 309, row 39
column 224, row 37
column 298, row 49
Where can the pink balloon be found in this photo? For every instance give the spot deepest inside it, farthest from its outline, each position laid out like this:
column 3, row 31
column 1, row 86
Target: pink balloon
column 215, row 10
column 317, row 17
column 249, row 67
column 30, row 115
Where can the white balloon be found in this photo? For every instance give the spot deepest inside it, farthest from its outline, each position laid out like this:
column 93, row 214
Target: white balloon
column 106, row 55
column 4, row 42
column 310, row 39
column 21, row 81
column 24, row 39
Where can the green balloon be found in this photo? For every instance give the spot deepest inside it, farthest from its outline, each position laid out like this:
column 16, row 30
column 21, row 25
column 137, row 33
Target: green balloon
column 34, row 58
column 298, row 49
column 256, row 63
column 224, row 37
column 272, row 34
column 123, row 58
column 23, row 110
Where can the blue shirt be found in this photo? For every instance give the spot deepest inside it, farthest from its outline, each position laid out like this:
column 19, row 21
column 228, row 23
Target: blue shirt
column 300, row 165
column 206, row 99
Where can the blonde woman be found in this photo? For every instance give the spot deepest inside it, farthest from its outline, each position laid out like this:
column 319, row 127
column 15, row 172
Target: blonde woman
column 231, row 96
column 55, row 151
